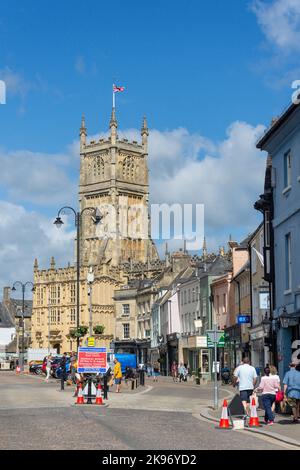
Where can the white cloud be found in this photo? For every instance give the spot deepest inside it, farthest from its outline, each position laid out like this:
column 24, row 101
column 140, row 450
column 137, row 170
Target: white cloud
column 15, row 82
column 37, row 177
column 227, row 181
column 226, row 176
column 26, row 235
column 280, row 22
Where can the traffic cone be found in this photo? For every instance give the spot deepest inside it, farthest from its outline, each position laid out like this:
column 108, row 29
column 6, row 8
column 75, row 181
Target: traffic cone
column 80, row 399
column 224, row 421
column 99, row 400
column 253, row 416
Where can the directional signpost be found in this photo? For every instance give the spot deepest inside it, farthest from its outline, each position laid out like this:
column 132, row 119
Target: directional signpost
column 215, row 339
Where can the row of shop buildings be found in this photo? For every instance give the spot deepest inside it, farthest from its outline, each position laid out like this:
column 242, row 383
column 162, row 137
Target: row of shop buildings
column 251, row 292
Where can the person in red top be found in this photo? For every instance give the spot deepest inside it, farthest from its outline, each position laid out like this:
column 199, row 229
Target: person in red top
column 174, row 370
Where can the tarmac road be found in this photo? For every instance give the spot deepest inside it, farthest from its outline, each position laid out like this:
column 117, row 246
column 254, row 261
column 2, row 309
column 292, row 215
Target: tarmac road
column 36, row 415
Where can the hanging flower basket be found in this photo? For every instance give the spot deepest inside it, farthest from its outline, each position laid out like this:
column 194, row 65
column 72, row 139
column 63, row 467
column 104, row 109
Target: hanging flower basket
column 78, row 332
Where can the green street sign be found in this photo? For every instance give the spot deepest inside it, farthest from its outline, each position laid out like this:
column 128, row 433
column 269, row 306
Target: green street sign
column 220, row 338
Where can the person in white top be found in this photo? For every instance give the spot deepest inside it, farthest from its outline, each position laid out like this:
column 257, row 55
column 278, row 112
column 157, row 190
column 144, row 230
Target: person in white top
column 269, row 386
column 246, row 375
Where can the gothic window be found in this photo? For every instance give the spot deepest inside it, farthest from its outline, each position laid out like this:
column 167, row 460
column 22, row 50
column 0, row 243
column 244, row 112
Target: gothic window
column 128, row 168
column 99, row 167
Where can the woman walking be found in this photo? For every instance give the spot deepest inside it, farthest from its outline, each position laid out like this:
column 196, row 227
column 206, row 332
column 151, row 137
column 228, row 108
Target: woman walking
column 269, row 386
column 156, row 371
column 174, row 370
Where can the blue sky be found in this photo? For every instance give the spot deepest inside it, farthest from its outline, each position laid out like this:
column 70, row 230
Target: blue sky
column 208, row 75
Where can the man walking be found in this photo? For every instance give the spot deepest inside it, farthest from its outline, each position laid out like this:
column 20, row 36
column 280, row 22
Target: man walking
column 291, row 383
column 246, row 375
column 63, row 363
column 117, row 375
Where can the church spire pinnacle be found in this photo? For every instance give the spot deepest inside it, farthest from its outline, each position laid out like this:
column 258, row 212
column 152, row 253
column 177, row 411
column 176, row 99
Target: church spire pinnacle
column 82, row 132
column 113, row 124
column 204, row 248
column 144, row 134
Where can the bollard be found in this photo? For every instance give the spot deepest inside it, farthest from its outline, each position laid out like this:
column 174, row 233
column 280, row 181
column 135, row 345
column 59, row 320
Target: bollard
column 132, row 384
column 89, row 395
column 105, row 387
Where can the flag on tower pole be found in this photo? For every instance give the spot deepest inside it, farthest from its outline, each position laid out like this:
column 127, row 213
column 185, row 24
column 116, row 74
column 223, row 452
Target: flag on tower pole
column 116, row 89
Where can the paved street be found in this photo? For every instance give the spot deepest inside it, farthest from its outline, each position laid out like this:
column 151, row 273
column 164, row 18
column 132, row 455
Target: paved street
column 28, row 403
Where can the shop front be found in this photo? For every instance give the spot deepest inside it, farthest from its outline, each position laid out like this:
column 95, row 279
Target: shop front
column 196, row 355
column 233, row 346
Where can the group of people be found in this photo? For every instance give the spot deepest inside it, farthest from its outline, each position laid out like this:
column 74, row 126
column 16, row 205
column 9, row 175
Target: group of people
column 245, row 376
column 179, row 372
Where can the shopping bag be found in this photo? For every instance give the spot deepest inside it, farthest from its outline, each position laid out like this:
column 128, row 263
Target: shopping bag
column 279, row 396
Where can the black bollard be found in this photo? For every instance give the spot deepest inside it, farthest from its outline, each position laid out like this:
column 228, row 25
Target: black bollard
column 89, row 397
column 105, row 387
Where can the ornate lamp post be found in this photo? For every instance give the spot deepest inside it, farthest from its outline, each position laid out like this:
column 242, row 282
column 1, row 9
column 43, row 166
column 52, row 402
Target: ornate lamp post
column 96, row 217
column 23, row 287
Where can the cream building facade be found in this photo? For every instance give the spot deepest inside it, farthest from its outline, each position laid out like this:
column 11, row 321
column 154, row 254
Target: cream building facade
column 113, row 180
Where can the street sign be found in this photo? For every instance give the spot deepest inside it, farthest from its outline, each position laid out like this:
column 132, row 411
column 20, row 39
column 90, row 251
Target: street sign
column 91, row 342
column 201, row 341
column 243, row 319
column 92, row 360
column 216, row 366
column 220, row 338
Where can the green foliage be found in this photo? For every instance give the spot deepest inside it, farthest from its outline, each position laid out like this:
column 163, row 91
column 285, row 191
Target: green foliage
column 79, row 332
column 99, row 329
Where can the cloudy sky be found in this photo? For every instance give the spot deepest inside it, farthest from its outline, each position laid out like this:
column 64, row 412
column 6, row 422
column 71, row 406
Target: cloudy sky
column 208, row 75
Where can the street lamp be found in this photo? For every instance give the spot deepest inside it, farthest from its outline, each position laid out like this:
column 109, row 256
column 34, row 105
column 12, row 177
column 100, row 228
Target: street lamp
column 266, row 323
column 96, row 217
column 23, row 287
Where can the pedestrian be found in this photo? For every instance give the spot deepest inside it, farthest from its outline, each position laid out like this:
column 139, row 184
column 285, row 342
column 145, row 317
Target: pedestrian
column 149, row 369
column 269, row 386
column 274, row 373
column 246, row 376
column 73, row 367
column 156, row 371
column 291, row 383
column 174, row 370
column 182, row 372
column 117, row 374
column 48, row 367
column 62, row 364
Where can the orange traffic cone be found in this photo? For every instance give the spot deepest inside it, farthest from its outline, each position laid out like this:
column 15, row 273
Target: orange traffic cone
column 253, row 416
column 224, row 421
column 80, row 399
column 99, row 400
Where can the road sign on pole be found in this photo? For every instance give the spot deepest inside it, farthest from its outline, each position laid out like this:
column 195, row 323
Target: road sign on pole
column 215, row 339
column 92, row 360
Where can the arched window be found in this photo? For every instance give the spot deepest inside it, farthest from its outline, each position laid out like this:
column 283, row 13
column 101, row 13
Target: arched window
column 99, row 167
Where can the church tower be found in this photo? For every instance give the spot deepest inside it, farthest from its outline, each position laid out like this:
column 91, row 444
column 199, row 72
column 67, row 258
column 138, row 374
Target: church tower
column 114, row 179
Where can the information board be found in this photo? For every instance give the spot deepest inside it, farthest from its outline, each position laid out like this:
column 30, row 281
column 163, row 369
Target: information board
column 92, row 360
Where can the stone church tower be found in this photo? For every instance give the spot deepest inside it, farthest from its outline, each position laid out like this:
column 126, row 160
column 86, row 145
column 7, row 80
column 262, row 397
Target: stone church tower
column 114, row 179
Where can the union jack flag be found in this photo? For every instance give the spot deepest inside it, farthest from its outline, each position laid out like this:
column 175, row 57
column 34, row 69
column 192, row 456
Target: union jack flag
column 118, row 88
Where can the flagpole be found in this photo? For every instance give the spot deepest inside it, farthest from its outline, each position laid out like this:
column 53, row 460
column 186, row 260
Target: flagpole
column 113, row 96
